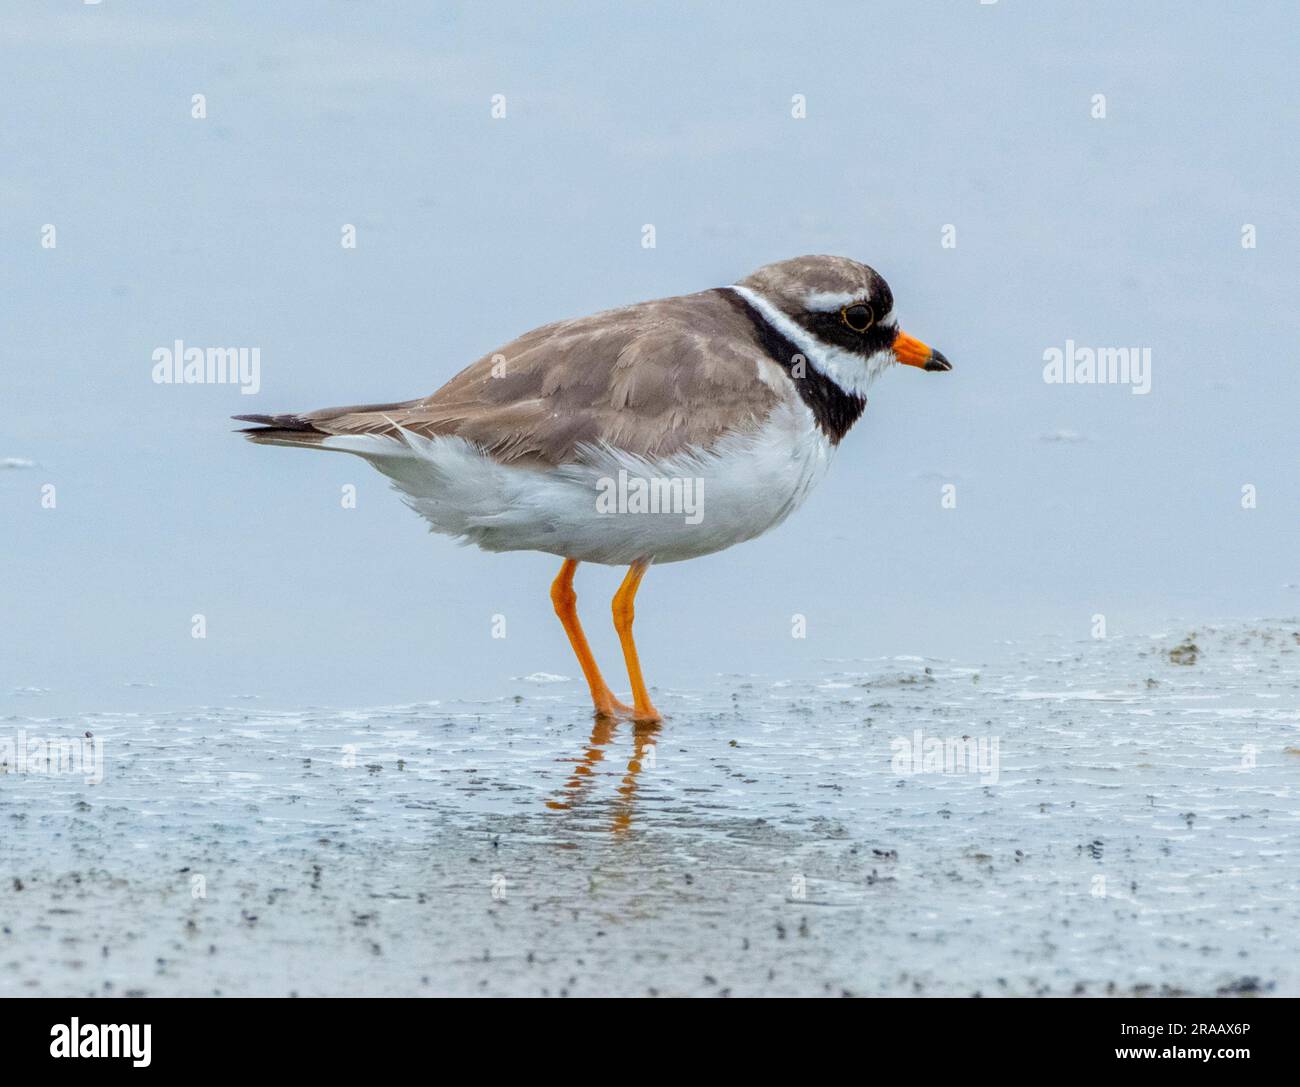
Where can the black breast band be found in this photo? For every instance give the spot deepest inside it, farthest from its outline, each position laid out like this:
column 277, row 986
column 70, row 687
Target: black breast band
column 834, row 409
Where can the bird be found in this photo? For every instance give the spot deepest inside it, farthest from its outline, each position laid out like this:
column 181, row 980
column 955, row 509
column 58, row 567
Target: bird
column 647, row 434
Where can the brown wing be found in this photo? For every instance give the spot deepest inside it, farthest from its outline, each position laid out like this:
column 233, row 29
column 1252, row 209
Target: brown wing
column 653, row 379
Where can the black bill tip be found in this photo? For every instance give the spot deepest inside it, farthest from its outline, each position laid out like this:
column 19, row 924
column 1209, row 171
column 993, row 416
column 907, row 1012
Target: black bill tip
column 936, row 361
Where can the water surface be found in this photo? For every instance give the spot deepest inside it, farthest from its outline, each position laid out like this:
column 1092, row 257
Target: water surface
column 1137, row 834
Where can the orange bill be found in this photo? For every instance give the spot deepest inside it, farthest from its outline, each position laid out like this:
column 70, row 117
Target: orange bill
column 912, row 352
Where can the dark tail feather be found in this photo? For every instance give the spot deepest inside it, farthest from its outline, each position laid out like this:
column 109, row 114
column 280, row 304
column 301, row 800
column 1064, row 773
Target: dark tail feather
column 313, row 427
column 280, row 430
column 278, row 422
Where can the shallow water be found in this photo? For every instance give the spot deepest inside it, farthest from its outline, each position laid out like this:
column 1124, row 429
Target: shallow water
column 1136, row 832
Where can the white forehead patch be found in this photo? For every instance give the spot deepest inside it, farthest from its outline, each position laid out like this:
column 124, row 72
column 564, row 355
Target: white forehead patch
column 833, row 301
column 830, row 301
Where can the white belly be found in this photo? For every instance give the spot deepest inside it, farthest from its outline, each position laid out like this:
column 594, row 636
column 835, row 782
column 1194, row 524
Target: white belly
column 614, row 509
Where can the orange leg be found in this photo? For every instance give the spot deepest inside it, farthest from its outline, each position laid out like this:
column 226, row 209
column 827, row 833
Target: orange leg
column 566, row 607
column 623, row 615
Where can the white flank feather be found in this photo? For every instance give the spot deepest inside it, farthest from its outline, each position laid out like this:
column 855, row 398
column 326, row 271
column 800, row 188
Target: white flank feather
column 743, row 486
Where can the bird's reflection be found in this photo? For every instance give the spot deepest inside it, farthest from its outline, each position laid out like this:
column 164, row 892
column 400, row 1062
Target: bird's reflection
column 575, row 790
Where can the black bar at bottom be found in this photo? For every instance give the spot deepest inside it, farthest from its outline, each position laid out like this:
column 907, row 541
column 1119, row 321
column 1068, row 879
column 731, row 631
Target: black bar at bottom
column 339, row 1036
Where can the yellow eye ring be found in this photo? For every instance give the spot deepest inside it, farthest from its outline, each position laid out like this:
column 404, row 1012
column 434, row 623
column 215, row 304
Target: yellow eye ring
column 859, row 316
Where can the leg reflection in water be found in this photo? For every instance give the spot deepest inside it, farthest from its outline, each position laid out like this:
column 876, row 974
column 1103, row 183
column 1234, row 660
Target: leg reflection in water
column 575, row 790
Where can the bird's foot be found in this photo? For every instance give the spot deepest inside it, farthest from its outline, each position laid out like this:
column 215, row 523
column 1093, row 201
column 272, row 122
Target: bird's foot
column 609, row 706
column 613, row 709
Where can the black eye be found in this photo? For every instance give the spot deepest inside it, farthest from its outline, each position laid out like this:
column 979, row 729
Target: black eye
column 857, row 316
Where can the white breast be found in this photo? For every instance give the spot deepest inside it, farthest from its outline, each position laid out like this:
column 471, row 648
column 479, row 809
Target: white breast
column 685, row 506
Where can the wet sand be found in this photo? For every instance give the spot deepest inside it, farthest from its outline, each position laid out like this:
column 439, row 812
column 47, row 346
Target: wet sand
column 1142, row 835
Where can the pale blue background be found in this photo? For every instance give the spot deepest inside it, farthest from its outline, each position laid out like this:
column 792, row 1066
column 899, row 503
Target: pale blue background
column 226, row 231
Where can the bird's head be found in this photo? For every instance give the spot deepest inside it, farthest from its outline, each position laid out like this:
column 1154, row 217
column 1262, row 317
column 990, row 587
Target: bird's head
column 841, row 315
